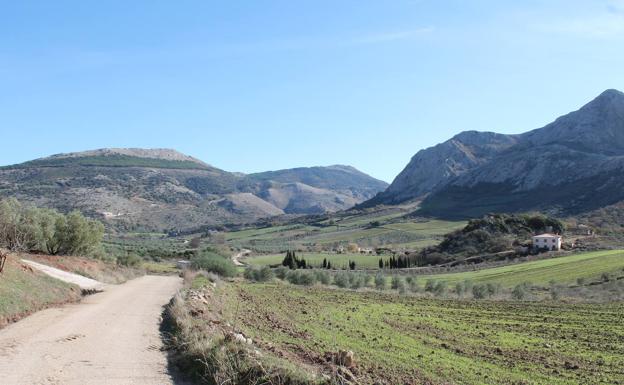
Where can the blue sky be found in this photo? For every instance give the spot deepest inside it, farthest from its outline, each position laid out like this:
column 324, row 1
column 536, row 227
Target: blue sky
column 259, row 85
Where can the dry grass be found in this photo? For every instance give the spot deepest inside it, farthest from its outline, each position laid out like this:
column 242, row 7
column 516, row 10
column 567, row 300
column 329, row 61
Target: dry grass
column 211, row 351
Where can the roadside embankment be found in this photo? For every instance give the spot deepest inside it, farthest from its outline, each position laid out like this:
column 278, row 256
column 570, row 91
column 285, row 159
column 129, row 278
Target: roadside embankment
column 209, row 349
column 23, row 291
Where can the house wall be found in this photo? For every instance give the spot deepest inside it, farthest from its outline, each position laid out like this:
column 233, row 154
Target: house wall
column 552, row 243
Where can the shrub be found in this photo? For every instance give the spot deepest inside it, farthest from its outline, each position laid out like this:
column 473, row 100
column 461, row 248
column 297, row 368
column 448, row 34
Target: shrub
column 263, row 274
column 493, row 289
column 129, row 260
column 214, row 263
column 323, row 277
column 357, row 282
column 307, row 278
column 294, row 277
column 460, row 289
column 479, row 291
column 412, row 282
column 430, row 285
column 395, row 282
column 380, row 281
column 341, row 279
column 400, row 286
column 519, row 292
column 439, row 289
column 298, row 277
column 606, row 277
column 280, row 272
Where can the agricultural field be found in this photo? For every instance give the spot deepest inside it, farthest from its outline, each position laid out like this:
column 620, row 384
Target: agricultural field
column 407, row 340
column 563, row 270
column 387, row 230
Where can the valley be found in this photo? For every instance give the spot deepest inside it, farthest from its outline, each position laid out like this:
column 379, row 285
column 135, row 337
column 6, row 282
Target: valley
column 323, row 275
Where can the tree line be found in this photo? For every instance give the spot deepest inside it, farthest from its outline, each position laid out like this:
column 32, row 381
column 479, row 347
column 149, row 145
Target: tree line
column 29, row 228
column 293, row 262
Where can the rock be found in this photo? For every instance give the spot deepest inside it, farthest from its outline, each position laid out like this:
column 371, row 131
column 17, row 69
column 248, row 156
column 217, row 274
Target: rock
column 239, row 338
column 344, row 358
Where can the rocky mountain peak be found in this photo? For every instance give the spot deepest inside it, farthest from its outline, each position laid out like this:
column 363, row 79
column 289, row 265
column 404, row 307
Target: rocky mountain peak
column 597, row 127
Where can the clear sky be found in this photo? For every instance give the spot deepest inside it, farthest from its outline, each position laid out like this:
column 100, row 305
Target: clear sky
column 259, row 85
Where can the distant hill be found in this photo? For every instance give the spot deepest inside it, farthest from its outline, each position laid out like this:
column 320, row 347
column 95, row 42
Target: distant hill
column 162, row 189
column 572, row 165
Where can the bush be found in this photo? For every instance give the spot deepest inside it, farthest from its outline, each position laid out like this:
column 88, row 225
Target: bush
column 357, row 281
column 263, row 274
column 412, row 282
column 307, row 278
column 493, row 289
column 280, row 272
column 430, row 285
column 129, row 260
column 380, row 281
column 460, row 289
column 479, row 291
column 298, row 277
column 439, row 289
column 400, row 286
column 214, row 263
column 323, row 277
column 519, row 292
column 341, row 279
column 606, row 277
column 394, row 283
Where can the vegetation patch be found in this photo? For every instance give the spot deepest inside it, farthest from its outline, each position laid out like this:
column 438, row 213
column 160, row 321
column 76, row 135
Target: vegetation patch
column 24, row 291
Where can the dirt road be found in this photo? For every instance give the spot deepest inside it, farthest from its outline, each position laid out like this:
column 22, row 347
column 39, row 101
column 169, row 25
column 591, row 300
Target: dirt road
column 110, row 338
column 236, row 257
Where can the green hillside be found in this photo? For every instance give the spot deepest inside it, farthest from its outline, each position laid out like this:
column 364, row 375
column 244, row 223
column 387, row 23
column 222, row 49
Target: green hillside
column 561, row 270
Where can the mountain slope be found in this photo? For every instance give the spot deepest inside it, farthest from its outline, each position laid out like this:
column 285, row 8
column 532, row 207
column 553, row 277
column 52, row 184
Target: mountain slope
column 569, row 166
column 434, row 167
column 314, row 190
column 161, row 189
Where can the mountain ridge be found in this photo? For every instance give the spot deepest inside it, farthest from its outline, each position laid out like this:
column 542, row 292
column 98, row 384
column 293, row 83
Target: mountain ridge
column 163, row 189
column 554, row 168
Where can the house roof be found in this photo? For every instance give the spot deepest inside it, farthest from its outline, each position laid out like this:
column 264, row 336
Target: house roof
column 547, row 235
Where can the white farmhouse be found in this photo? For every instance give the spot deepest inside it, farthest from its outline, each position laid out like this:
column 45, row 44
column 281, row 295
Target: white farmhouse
column 547, row 241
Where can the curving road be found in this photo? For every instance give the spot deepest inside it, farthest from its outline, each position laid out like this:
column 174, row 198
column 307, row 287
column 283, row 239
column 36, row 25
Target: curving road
column 109, row 338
